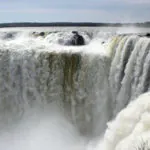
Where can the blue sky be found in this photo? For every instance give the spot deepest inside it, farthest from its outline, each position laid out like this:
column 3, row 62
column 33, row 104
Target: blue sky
column 74, row 10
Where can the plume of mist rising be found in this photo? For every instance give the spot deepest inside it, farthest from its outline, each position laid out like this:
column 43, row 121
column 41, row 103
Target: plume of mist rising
column 46, row 129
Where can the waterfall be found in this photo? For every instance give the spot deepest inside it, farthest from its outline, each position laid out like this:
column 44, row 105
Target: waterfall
column 129, row 72
column 46, row 85
column 130, row 129
column 37, row 75
column 129, row 78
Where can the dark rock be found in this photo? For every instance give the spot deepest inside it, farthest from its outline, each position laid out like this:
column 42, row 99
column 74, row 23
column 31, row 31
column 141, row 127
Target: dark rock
column 74, row 32
column 144, row 35
column 36, row 34
column 147, row 34
column 77, row 39
column 41, row 34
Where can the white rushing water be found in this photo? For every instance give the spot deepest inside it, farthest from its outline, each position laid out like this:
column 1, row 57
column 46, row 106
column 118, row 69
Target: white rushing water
column 56, row 97
column 131, row 128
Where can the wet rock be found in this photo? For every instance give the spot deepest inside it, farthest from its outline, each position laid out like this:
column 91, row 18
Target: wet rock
column 147, row 34
column 76, row 39
column 41, row 34
column 103, row 42
column 36, row 34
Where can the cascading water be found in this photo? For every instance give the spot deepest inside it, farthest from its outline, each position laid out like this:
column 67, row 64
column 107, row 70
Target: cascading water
column 54, row 96
column 129, row 78
column 129, row 73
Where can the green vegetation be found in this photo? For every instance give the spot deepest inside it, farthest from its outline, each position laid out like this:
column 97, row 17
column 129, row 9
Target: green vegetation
column 63, row 24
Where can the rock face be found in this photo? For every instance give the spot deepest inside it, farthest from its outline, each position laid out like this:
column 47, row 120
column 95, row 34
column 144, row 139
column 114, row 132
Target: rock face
column 76, row 39
column 37, row 34
column 69, row 39
column 148, row 34
column 41, row 34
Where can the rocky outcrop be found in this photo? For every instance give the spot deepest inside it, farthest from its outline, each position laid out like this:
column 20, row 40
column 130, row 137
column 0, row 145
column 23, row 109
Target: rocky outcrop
column 37, row 34
column 148, row 34
column 76, row 39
